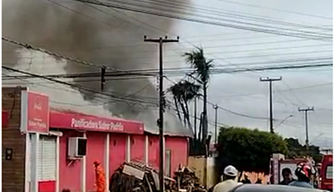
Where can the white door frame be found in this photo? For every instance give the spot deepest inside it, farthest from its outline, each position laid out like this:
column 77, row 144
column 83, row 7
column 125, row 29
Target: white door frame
column 34, row 162
column 27, row 164
column 128, row 148
column 83, row 169
column 106, row 159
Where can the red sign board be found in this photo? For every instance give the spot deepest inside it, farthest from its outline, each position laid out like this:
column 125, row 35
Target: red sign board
column 34, row 112
column 5, row 118
column 78, row 121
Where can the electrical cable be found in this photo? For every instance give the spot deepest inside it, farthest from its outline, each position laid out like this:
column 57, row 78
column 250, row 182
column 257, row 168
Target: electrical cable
column 92, row 91
column 30, row 47
column 178, row 71
column 226, row 52
column 202, row 16
column 275, row 9
column 76, row 86
column 227, row 110
column 104, row 12
column 168, row 15
column 211, row 11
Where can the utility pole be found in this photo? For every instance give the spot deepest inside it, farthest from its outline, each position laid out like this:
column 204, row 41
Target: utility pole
column 195, row 118
column 160, row 121
column 215, row 107
column 271, row 116
column 306, row 110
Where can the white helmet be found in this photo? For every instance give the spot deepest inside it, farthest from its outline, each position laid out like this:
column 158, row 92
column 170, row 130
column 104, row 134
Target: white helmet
column 230, row 171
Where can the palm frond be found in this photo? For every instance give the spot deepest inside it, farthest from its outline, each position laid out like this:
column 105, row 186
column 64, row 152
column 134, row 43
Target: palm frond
column 185, row 90
column 201, row 65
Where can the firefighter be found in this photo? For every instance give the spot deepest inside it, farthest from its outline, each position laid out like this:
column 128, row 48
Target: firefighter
column 100, row 182
column 303, row 173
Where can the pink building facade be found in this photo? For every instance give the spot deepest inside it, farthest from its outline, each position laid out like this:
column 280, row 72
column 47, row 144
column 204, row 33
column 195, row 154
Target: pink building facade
column 62, row 146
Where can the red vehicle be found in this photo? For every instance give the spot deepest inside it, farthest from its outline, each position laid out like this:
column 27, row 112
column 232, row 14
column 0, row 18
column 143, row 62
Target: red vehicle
column 326, row 173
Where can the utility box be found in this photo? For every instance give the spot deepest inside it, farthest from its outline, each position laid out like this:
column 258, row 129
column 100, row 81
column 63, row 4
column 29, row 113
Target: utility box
column 77, row 147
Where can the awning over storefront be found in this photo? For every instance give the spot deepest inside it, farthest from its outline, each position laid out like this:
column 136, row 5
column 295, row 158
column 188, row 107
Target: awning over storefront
column 79, row 121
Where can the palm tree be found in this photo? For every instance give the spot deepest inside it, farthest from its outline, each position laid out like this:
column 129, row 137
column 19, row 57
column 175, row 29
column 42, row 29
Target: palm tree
column 202, row 71
column 183, row 92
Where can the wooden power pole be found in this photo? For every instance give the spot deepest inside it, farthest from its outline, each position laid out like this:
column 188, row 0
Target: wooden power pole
column 306, row 110
column 160, row 121
column 271, row 115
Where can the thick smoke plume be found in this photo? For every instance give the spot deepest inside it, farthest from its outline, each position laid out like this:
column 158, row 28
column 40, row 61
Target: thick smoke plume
column 79, row 31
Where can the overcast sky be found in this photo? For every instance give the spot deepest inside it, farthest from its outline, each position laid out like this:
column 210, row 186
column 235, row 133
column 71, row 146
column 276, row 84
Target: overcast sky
column 242, row 93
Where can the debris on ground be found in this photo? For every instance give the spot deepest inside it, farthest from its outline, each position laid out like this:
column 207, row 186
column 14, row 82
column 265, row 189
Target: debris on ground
column 186, row 179
column 138, row 177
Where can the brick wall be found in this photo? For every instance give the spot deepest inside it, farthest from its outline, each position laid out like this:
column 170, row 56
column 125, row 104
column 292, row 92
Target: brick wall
column 13, row 171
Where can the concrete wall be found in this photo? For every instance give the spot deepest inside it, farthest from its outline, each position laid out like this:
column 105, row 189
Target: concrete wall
column 198, row 165
column 13, row 171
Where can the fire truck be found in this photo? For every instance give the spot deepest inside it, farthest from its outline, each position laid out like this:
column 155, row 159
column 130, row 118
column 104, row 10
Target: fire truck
column 278, row 163
column 326, row 173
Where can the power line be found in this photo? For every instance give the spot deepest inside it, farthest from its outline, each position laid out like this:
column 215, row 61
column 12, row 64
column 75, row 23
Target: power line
column 300, row 101
column 287, row 90
column 77, row 86
column 181, row 71
column 142, row 54
column 210, row 17
column 230, row 14
column 206, row 47
column 43, row 77
column 306, row 110
column 31, row 47
column 183, row 7
column 90, row 6
column 168, row 15
column 141, row 23
column 176, row 5
column 82, row 88
column 224, row 109
column 275, row 9
column 271, row 115
column 162, row 104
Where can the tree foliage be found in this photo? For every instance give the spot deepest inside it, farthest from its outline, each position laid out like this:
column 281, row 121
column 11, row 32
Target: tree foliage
column 248, row 150
column 183, row 92
column 201, row 64
column 297, row 150
column 186, row 90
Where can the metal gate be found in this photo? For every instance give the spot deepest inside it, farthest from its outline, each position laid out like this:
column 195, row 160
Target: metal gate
column 47, row 158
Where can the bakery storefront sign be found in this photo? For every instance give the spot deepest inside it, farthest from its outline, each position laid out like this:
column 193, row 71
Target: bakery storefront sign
column 100, row 125
column 61, row 119
column 34, row 112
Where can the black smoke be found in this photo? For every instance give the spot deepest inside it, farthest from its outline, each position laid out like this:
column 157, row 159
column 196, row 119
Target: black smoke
column 104, row 37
